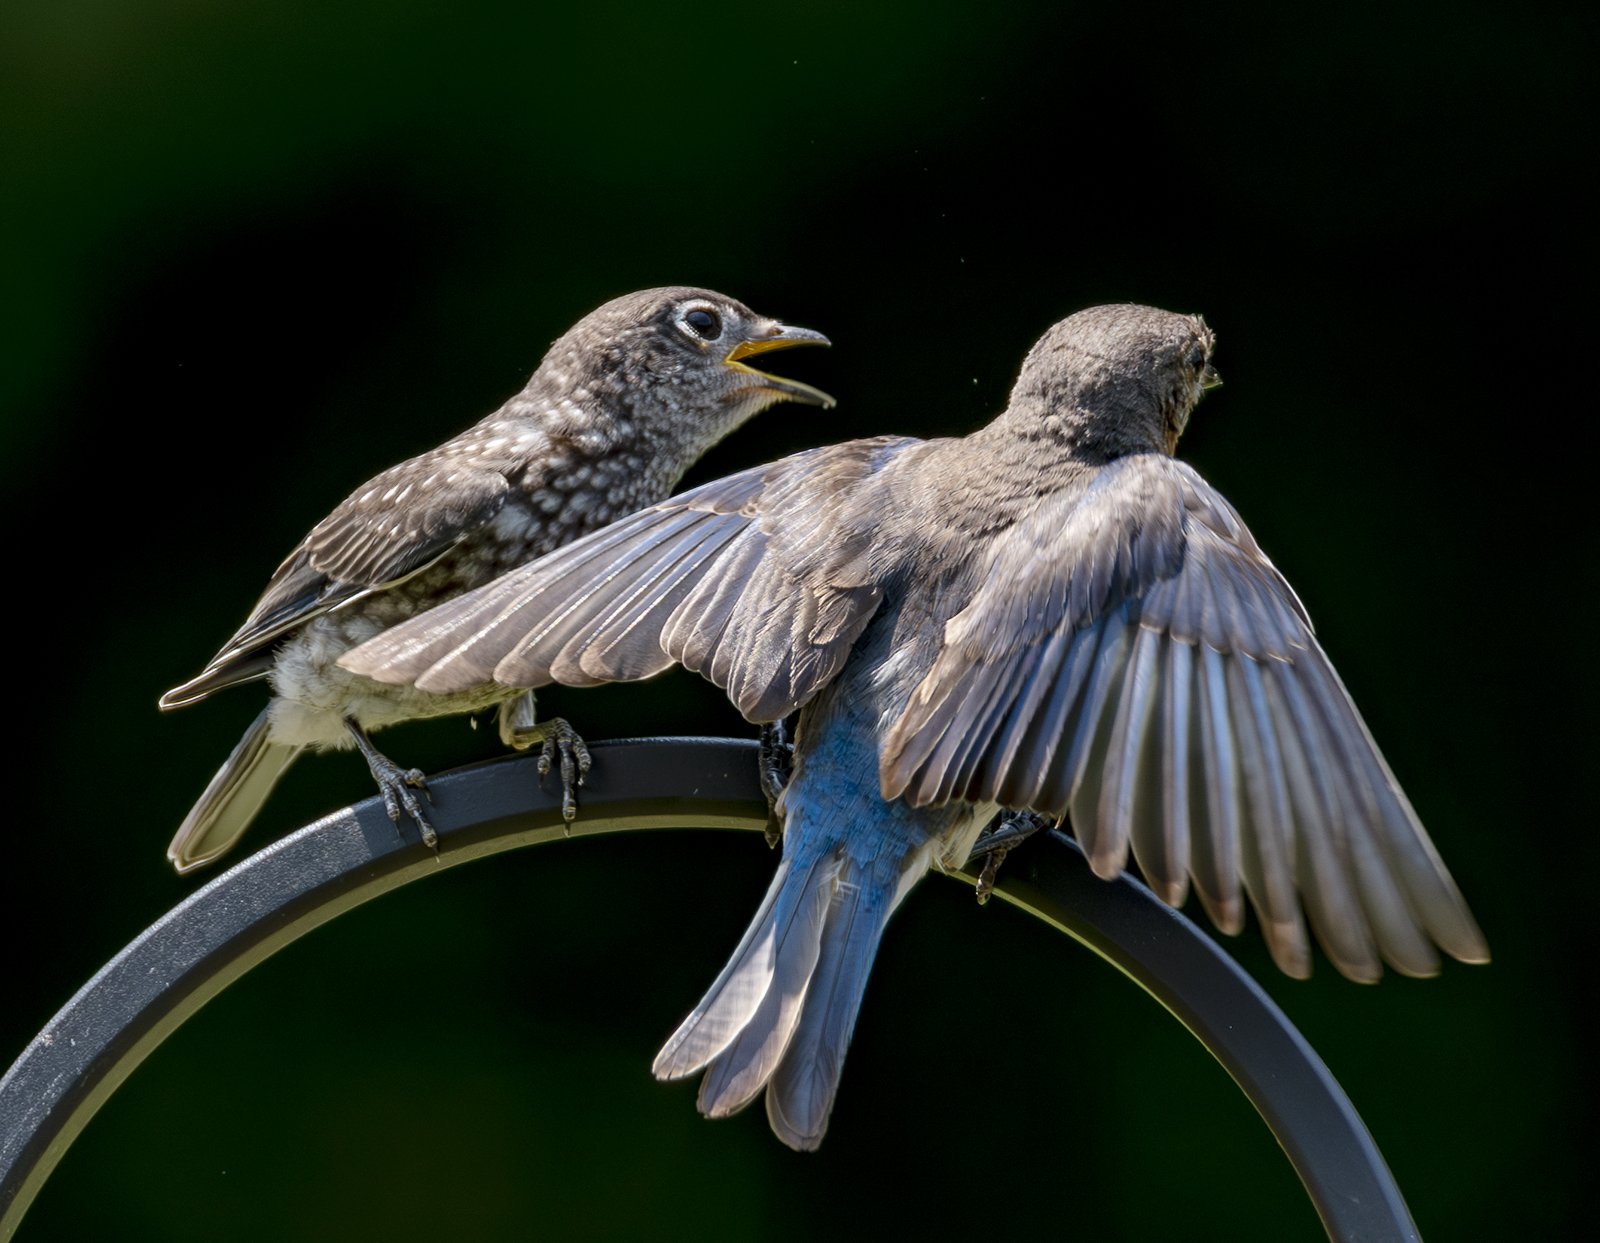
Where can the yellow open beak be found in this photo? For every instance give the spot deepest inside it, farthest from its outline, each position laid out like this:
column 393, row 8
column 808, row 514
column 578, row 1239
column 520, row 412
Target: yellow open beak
column 783, row 338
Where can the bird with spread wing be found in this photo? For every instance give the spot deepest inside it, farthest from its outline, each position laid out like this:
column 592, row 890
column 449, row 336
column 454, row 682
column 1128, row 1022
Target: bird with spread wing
column 1052, row 613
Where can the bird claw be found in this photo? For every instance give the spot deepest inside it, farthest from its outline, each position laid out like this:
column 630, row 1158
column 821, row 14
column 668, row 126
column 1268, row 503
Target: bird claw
column 561, row 739
column 399, row 795
column 1009, row 830
column 395, row 784
column 777, row 765
column 991, row 867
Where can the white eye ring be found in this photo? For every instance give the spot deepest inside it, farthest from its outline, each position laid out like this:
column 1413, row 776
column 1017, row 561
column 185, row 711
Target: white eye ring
column 702, row 323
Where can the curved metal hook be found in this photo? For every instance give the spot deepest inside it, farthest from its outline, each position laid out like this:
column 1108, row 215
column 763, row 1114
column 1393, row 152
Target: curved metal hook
column 249, row 913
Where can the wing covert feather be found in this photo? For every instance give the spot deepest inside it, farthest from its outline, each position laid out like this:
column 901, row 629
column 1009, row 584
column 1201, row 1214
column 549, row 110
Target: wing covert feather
column 383, row 533
column 371, row 541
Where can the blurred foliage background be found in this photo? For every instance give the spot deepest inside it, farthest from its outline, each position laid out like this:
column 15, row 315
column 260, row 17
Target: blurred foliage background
column 256, row 252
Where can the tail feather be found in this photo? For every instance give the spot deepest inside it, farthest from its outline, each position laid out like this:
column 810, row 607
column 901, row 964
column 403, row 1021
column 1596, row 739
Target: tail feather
column 741, row 1070
column 801, row 1091
column 737, row 1074
column 781, row 1013
column 232, row 799
column 781, row 938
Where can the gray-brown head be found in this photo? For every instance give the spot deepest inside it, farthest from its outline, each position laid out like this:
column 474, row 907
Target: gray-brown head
column 1116, row 379
column 670, row 362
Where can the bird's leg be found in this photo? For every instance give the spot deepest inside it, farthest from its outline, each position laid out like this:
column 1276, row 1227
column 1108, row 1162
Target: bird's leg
column 777, row 763
column 1009, row 830
column 395, row 784
column 519, row 729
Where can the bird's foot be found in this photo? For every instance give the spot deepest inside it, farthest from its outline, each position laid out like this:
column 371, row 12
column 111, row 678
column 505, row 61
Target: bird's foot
column 1009, row 830
column 396, row 785
column 991, row 868
column 777, row 764
column 558, row 738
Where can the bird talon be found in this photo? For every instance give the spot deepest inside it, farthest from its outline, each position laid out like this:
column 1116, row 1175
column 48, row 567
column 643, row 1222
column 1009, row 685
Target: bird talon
column 1009, row 830
column 560, row 740
column 776, row 765
column 991, row 867
column 413, row 809
column 395, row 785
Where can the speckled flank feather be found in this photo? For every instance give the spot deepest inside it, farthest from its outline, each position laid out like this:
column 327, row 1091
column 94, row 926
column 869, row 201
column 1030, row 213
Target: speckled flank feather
column 621, row 406
column 1051, row 613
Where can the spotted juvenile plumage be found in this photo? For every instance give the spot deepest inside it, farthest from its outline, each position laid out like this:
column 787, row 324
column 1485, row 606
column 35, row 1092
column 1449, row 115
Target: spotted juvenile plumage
column 1051, row 613
column 620, row 407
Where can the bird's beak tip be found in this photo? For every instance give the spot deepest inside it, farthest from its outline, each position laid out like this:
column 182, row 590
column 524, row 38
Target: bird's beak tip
column 783, row 339
column 805, row 394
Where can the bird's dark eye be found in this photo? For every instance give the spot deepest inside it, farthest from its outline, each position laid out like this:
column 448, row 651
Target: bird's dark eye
column 704, row 323
column 1197, row 357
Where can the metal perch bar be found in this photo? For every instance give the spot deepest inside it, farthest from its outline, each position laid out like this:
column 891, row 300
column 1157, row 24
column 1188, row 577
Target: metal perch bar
column 250, row 912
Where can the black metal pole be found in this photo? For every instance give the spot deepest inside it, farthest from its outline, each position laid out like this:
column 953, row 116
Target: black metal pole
column 279, row 894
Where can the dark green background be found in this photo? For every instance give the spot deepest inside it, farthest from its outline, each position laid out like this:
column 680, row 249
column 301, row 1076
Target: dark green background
column 256, row 252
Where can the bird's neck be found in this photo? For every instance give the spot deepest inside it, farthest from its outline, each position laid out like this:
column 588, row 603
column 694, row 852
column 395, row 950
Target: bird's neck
column 1084, row 429
column 1028, row 454
column 587, row 428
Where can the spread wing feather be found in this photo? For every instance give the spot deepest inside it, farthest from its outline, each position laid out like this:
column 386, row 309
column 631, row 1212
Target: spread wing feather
column 1133, row 660
column 757, row 581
